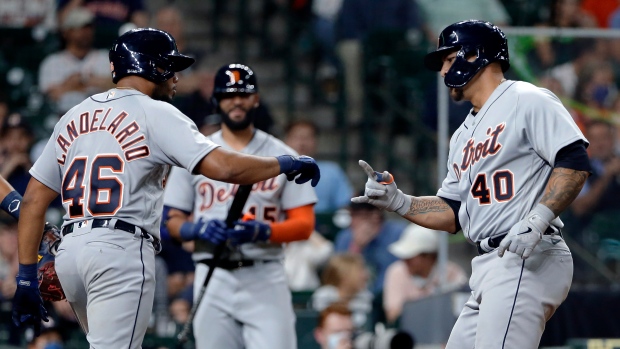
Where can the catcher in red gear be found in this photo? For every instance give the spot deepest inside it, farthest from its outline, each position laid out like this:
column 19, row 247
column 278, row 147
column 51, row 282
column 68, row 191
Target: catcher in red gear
column 49, row 285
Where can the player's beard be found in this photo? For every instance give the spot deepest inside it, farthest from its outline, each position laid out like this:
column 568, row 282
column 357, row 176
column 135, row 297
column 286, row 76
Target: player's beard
column 162, row 93
column 456, row 94
column 239, row 125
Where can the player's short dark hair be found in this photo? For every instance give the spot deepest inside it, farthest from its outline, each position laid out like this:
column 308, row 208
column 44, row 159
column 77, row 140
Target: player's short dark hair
column 600, row 122
column 302, row 122
column 339, row 308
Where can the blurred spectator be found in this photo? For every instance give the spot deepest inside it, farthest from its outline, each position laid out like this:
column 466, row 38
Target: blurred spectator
column 567, row 74
column 325, row 13
column 601, row 10
column 108, row 13
column 16, row 139
column 369, row 235
column 614, row 15
column 356, row 19
column 602, row 189
column 335, row 328
column 69, row 76
column 438, row 14
column 28, row 13
column 334, row 193
column 554, row 51
column 194, row 78
column 415, row 275
column 596, row 87
column 344, row 281
column 50, row 338
column 302, row 260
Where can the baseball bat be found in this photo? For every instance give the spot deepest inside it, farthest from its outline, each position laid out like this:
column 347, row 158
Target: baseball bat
column 234, row 213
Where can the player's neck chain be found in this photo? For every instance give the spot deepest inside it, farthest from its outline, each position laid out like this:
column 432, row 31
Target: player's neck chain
column 501, row 81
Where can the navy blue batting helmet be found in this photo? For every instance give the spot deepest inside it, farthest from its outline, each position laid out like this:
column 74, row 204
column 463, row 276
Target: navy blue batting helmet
column 469, row 38
column 234, row 78
column 142, row 51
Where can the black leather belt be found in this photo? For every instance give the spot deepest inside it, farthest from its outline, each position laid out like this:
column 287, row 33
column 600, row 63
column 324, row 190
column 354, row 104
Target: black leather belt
column 236, row 264
column 494, row 241
column 120, row 225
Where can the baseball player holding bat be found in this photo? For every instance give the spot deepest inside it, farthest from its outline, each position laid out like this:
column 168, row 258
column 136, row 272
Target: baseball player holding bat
column 517, row 161
column 108, row 158
column 248, row 302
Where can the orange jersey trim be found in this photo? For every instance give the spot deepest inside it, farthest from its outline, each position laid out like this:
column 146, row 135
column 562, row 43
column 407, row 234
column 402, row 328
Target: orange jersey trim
column 298, row 225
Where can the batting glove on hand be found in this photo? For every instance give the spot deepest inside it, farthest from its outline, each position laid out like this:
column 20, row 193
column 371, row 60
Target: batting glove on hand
column 304, row 166
column 213, row 231
column 248, row 231
column 28, row 306
column 381, row 191
column 527, row 233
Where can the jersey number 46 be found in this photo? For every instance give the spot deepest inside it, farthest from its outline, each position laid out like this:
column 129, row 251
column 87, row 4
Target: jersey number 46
column 104, row 192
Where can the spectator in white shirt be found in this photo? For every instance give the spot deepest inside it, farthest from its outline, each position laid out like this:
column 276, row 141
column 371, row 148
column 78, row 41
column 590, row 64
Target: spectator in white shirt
column 69, row 76
column 415, row 275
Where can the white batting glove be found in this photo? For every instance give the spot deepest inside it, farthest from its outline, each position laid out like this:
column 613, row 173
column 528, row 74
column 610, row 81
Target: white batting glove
column 527, row 233
column 381, row 191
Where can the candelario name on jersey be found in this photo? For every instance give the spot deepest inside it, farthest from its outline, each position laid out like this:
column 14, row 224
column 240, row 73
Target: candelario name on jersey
column 98, row 121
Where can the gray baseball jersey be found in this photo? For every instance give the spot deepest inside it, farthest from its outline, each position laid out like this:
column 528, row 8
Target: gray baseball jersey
column 210, row 199
column 109, row 155
column 501, row 158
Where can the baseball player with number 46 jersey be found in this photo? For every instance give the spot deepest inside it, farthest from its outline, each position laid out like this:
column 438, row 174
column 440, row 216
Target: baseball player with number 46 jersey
column 517, row 161
column 108, row 158
column 248, row 301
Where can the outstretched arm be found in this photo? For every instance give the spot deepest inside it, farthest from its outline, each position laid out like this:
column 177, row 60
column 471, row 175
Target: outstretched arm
column 428, row 211
column 234, row 167
column 431, row 212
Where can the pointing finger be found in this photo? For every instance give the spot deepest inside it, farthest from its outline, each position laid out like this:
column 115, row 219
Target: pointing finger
column 360, row 199
column 369, row 171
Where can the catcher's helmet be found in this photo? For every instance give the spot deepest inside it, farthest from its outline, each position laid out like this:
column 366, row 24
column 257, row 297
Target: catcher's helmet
column 473, row 37
column 234, row 78
column 141, row 51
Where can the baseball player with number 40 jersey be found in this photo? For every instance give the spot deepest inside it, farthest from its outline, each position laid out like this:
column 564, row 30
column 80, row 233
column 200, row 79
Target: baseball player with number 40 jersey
column 517, row 161
column 108, row 158
column 248, row 302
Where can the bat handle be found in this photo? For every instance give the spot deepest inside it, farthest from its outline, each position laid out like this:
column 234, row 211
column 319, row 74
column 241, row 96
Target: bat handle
column 384, row 179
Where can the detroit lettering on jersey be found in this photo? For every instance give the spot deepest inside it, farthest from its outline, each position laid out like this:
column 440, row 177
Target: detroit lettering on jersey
column 472, row 154
column 98, row 121
column 218, row 192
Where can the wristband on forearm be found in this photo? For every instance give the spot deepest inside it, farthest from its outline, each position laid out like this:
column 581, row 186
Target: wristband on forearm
column 286, row 163
column 27, row 271
column 11, row 204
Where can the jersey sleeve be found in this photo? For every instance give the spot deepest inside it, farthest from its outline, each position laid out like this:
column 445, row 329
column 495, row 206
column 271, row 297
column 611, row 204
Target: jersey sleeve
column 547, row 125
column 296, row 195
column 175, row 138
column 179, row 192
column 46, row 169
column 449, row 187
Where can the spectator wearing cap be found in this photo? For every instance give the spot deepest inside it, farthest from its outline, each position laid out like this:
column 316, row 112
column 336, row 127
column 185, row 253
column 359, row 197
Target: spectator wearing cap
column 370, row 235
column 415, row 275
column 16, row 138
column 69, row 76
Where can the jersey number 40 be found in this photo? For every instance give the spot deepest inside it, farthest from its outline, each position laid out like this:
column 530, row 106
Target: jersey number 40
column 503, row 187
column 105, row 193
